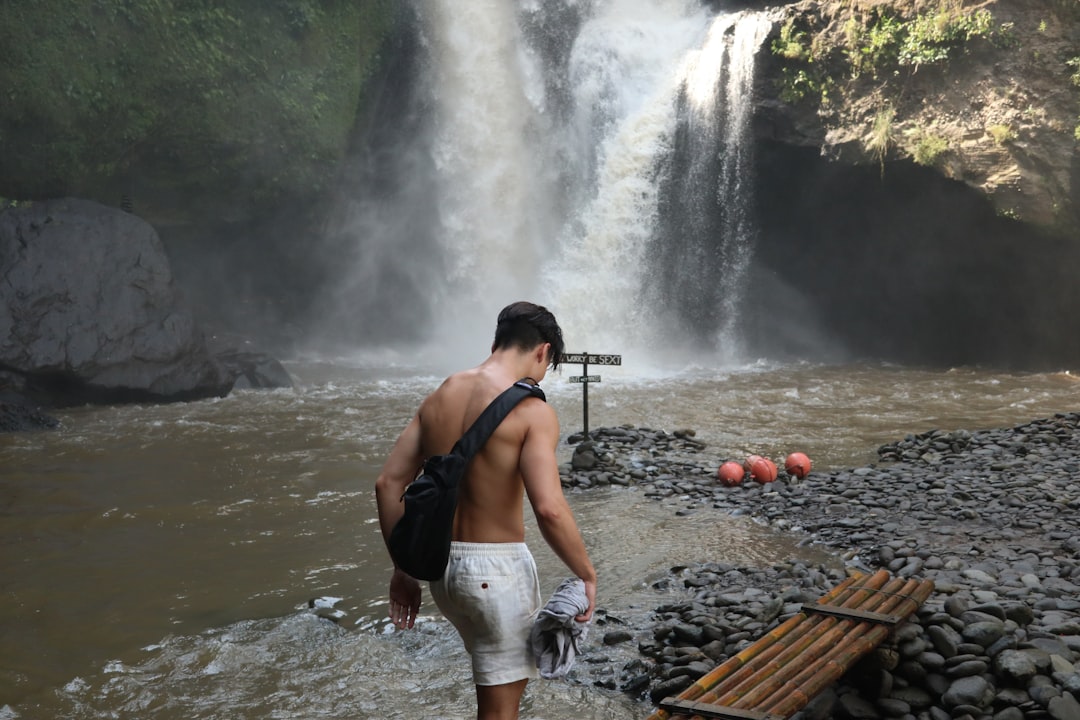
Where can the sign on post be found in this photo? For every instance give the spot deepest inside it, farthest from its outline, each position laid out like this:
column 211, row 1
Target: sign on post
column 585, row 379
column 586, row 358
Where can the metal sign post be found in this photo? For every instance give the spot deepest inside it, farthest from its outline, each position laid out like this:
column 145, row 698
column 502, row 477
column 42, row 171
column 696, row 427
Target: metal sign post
column 585, row 378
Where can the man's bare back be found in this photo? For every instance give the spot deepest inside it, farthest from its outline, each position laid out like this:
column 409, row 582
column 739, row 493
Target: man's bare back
column 490, row 498
column 517, row 461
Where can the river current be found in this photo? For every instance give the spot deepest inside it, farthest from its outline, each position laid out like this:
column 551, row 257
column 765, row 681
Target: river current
column 158, row 561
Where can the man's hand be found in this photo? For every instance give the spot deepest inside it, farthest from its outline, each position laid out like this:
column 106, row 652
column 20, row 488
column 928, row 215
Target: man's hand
column 590, row 594
column 404, row 599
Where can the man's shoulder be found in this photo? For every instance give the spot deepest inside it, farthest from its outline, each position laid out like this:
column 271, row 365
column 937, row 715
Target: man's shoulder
column 455, row 387
column 537, row 414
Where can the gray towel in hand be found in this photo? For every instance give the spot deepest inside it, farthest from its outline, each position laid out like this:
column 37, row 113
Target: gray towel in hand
column 555, row 634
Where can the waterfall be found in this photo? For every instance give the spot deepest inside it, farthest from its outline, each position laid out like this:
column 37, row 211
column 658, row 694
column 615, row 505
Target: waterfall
column 702, row 251
column 658, row 256
column 592, row 155
column 493, row 184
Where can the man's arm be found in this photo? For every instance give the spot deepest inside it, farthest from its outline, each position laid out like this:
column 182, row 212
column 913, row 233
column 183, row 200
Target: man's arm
column 540, row 471
column 400, row 469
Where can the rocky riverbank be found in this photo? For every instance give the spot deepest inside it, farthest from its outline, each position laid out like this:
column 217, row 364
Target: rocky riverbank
column 989, row 516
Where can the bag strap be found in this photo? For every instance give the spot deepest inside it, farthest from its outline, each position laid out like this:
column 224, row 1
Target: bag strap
column 478, row 434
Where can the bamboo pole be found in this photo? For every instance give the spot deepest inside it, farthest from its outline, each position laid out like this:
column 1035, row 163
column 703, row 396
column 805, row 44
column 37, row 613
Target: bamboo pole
column 831, row 633
column 795, row 694
column 729, row 666
column 809, row 644
column 761, row 686
column 764, row 676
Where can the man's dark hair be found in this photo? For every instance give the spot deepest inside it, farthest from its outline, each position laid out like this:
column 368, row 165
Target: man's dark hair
column 525, row 325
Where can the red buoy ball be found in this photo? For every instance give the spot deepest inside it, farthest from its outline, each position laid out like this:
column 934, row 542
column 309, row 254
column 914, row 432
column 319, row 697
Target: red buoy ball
column 763, row 470
column 798, row 465
column 730, row 473
column 750, row 460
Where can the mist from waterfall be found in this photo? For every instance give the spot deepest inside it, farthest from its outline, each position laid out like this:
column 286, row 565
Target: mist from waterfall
column 592, row 156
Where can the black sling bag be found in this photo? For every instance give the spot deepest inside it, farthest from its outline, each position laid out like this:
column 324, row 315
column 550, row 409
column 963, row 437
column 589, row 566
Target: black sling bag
column 420, row 541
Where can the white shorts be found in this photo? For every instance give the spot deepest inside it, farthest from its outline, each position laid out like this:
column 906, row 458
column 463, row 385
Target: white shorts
column 491, row 593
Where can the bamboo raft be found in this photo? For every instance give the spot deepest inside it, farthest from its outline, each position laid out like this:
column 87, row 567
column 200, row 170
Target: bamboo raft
column 780, row 673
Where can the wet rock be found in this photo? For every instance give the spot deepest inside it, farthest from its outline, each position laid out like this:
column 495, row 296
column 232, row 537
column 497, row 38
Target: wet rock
column 18, row 414
column 968, row 691
column 89, row 312
column 1015, row 667
column 991, row 521
column 855, row 707
column 1065, row 707
column 254, row 370
column 984, row 633
column 616, row 637
column 670, row 688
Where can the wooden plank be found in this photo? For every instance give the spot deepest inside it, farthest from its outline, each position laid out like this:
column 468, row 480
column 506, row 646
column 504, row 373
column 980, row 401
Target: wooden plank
column 777, row 676
column 706, row 710
column 850, row 614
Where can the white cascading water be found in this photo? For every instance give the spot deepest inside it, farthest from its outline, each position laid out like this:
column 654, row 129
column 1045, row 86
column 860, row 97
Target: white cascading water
column 718, row 84
column 623, row 73
column 562, row 207
column 493, row 182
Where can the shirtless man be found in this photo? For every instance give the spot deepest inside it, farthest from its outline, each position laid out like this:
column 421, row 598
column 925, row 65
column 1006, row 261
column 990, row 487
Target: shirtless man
column 490, row 591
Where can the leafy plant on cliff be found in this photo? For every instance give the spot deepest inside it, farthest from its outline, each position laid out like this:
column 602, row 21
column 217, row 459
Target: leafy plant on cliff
column 1073, row 64
column 931, row 37
column 792, row 43
column 1001, row 133
column 885, row 40
column 881, row 135
column 802, row 78
column 874, row 46
column 929, row 147
column 801, row 84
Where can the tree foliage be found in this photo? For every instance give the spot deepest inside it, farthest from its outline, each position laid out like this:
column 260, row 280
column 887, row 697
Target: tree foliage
column 181, row 95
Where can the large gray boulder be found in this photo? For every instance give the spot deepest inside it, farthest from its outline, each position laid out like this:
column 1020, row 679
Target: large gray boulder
column 89, row 312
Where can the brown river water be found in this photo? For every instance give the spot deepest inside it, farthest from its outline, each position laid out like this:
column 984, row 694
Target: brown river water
column 157, row 560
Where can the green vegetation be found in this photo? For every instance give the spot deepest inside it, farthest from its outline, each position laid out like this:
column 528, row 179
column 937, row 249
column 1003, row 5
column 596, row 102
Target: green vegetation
column 887, row 41
column 870, row 48
column 182, row 97
column 792, row 43
column 6, row 203
column 803, row 78
column 881, row 134
column 878, row 44
column 1073, row 64
column 929, row 147
column 802, row 83
column 1001, row 133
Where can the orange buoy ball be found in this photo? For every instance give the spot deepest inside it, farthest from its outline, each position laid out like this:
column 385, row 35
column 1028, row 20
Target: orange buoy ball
column 750, row 460
column 730, row 473
column 763, row 470
column 798, row 465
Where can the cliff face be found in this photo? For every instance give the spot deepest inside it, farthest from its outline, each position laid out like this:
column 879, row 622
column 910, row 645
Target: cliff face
column 983, row 92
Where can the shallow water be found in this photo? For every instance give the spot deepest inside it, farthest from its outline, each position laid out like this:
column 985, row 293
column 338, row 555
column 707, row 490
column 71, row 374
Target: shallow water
column 157, row 560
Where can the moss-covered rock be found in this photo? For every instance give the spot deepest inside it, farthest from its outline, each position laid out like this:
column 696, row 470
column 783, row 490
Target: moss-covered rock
column 183, row 105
